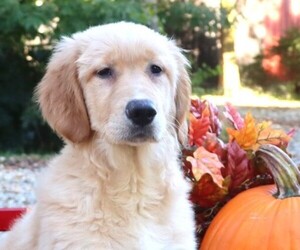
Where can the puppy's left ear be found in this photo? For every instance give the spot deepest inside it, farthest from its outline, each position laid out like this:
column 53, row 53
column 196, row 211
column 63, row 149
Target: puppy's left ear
column 182, row 99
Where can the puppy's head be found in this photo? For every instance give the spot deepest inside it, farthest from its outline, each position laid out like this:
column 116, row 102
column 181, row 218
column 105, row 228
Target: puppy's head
column 121, row 81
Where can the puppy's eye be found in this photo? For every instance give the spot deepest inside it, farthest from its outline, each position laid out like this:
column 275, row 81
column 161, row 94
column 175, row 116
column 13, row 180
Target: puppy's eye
column 105, row 73
column 156, row 70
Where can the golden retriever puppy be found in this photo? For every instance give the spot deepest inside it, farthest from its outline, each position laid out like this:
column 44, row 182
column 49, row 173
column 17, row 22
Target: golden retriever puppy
column 118, row 95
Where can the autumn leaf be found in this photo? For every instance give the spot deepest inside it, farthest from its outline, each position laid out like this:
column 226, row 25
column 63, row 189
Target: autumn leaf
column 232, row 115
column 205, row 162
column 267, row 135
column 214, row 145
column 291, row 133
column 202, row 109
column 198, row 129
column 207, row 193
column 215, row 123
column 197, row 107
column 238, row 166
column 246, row 137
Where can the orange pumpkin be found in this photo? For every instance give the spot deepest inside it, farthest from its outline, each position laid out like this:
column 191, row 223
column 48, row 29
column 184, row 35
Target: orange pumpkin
column 261, row 218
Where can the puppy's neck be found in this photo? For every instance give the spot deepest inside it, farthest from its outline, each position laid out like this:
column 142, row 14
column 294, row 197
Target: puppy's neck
column 121, row 157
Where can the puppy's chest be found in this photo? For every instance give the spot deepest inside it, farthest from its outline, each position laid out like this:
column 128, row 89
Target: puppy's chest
column 136, row 196
column 140, row 213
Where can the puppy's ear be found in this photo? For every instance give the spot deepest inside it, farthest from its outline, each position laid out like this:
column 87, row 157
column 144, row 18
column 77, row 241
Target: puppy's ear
column 182, row 100
column 60, row 95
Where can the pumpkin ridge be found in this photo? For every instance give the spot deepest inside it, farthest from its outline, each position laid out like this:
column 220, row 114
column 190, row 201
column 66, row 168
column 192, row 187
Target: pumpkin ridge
column 273, row 221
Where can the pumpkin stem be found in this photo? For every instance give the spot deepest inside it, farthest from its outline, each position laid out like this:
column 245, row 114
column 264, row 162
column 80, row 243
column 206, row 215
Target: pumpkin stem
column 285, row 172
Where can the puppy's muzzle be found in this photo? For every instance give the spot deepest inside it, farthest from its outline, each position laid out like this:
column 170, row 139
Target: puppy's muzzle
column 140, row 112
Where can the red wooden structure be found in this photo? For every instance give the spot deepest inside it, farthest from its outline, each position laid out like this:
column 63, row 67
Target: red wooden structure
column 8, row 217
column 282, row 15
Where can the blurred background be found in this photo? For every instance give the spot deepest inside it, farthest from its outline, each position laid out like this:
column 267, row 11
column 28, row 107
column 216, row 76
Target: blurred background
column 240, row 50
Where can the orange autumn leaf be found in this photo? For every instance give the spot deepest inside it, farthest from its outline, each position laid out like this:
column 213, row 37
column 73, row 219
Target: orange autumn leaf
column 252, row 136
column 264, row 125
column 267, row 135
column 247, row 136
column 204, row 163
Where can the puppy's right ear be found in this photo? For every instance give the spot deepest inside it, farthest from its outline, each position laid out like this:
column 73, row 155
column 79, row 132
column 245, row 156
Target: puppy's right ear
column 182, row 99
column 60, row 95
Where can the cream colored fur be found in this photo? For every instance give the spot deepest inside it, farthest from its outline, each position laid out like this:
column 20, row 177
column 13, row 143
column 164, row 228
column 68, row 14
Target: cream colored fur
column 104, row 191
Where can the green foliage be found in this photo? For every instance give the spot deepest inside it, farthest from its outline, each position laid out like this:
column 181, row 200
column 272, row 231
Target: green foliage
column 30, row 28
column 253, row 74
column 186, row 16
column 202, row 76
column 28, row 33
column 18, row 76
column 197, row 29
column 288, row 49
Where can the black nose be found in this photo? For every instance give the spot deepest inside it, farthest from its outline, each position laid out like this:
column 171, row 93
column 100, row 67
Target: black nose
column 140, row 112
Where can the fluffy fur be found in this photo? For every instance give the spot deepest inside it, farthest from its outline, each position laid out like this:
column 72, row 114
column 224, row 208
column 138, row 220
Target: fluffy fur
column 110, row 189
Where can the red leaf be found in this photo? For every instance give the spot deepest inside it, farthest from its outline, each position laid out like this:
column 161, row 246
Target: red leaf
column 206, row 109
column 215, row 123
column 232, row 115
column 207, row 193
column 197, row 107
column 214, row 145
column 203, row 119
column 238, row 165
column 197, row 130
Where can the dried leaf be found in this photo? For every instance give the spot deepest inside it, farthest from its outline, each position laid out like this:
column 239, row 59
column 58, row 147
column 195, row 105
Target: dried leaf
column 205, row 162
column 197, row 107
column 232, row 115
column 238, row 166
column 198, row 129
column 207, row 193
column 267, row 135
column 214, row 145
column 291, row 133
column 246, row 137
column 215, row 123
column 202, row 109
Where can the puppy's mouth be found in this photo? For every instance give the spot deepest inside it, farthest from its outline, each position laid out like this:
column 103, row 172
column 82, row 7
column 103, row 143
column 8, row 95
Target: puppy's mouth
column 138, row 135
